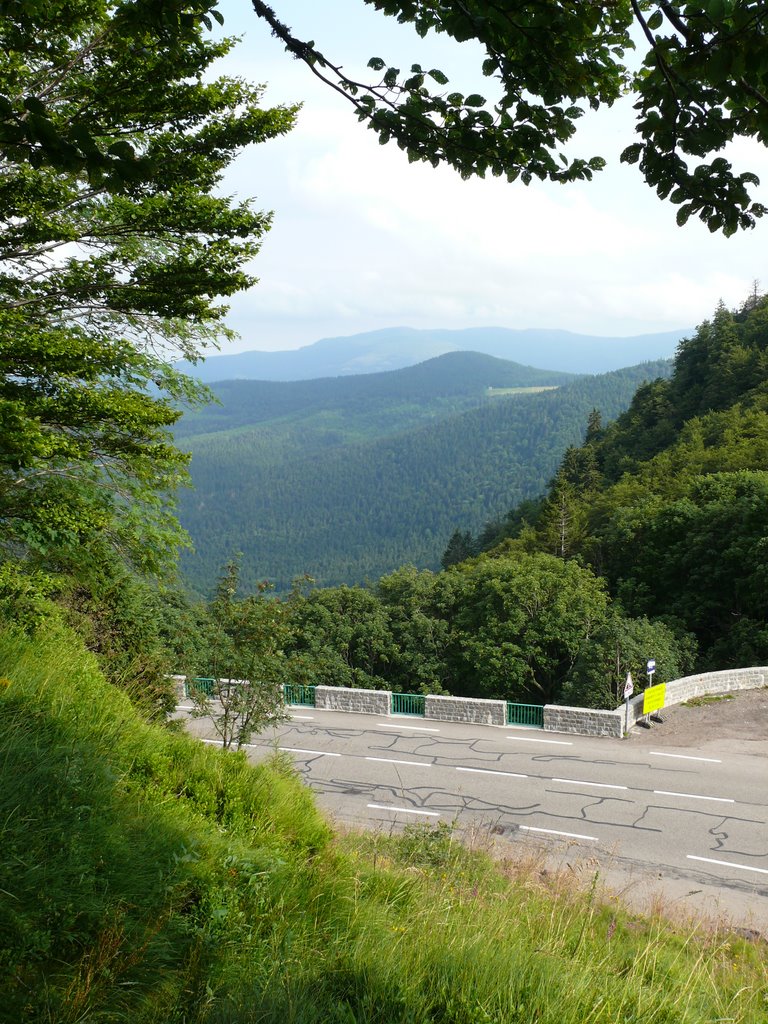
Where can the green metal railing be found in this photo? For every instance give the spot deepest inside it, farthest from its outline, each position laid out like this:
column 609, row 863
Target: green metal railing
column 200, row 683
column 531, row 715
column 298, row 694
column 407, row 704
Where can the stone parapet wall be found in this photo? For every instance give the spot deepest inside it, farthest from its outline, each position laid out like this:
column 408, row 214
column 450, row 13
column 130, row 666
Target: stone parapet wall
column 583, row 721
column 577, row 721
column 716, row 682
column 465, row 709
column 365, row 702
column 703, row 684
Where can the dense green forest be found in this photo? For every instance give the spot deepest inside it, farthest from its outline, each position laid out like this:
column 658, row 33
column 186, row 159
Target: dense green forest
column 363, row 406
column 669, row 504
column 346, row 479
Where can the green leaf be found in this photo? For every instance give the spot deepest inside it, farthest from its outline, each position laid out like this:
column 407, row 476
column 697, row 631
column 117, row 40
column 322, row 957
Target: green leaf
column 632, row 153
column 36, row 106
column 683, row 214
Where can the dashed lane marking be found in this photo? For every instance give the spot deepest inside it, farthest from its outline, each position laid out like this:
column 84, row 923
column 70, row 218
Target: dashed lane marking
column 695, row 796
column 393, row 725
column 302, row 750
column 728, row 864
column 391, row 760
column 554, row 832
column 686, row 757
column 531, row 739
column 402, row 810
column 599, row 785
column 492, row 771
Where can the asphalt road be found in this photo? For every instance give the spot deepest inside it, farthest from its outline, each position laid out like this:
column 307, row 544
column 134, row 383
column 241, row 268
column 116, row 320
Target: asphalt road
column 683, row 825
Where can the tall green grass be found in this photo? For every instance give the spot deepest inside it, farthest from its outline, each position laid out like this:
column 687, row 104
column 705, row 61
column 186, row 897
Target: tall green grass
column 145, row 877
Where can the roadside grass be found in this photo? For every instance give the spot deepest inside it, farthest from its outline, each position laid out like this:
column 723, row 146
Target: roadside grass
column 149, row 878
column 710, row 698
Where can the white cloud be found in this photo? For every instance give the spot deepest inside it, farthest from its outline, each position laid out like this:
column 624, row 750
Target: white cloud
column 362, row 239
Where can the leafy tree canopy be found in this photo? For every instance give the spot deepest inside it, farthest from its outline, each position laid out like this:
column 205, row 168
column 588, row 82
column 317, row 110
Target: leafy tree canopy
column 248, row 667
column 701, row 83
column 115, row 248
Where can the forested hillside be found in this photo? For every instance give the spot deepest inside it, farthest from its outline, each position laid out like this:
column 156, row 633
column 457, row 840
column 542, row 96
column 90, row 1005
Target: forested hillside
column 344, row 491
column 670, row 503
column 339, row 409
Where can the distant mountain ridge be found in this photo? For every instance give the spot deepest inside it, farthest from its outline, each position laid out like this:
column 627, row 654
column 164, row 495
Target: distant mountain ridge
column 395, row 347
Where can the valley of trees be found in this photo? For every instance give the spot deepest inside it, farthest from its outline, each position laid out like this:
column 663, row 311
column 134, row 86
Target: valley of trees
column 347, row 479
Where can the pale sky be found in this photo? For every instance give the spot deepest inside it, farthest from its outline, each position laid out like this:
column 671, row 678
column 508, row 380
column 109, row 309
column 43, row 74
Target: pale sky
column 362, row 239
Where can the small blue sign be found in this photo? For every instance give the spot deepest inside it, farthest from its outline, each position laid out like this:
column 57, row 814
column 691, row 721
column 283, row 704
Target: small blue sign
column 650, row 666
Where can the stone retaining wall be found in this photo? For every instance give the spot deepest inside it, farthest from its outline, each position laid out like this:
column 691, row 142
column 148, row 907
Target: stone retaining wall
column 680, row 690
column 583, row 721
column 465, row 709
column 578, row 721
column 365, row 702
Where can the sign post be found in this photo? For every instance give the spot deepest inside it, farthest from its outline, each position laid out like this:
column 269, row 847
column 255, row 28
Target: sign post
column 654, row 699
column 650, row 668
column 628, row 688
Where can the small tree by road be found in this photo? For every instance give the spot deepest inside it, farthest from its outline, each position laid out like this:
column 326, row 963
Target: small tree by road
column 247, row 663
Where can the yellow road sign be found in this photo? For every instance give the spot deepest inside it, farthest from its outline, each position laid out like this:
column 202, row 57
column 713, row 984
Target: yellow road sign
column 654, row 698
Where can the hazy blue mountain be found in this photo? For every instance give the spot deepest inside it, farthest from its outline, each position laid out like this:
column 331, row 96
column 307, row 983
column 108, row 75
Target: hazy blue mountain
column 396, row 347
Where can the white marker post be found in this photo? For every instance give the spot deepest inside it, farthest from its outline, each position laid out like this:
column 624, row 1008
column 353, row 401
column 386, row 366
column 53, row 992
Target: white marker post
column 650, row 668
column 628, row 689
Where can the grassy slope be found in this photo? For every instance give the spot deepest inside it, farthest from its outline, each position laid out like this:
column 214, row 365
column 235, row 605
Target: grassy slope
column 147, row 878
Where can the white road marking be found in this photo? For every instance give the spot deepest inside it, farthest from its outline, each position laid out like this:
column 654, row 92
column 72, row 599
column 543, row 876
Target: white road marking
column 600, row 785
column 492, row 771
column 391, row 760
column 185, row 707
column 553, row 832
column 686, row 757
column 402, row 810
column 530, row 739
column 419, row 728
column 304, row 718
column 728, row 864
column 695, row 796
column 217, row 742
column 302, row 750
